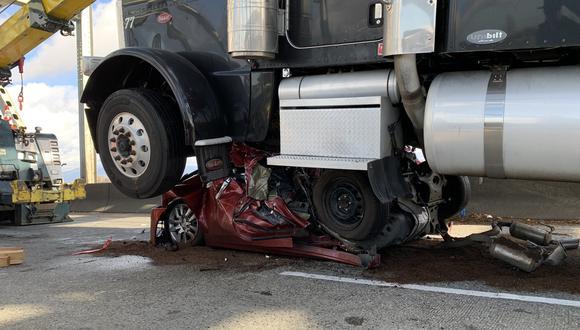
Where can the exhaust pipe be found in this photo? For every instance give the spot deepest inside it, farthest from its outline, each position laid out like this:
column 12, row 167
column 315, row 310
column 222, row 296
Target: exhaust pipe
column 569, row 243
column 411, row 91
column 515, row 255
column 530, row 233
column 557, row 256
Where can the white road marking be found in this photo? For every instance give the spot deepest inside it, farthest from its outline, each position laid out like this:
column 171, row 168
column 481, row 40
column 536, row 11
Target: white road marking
column 427, row 288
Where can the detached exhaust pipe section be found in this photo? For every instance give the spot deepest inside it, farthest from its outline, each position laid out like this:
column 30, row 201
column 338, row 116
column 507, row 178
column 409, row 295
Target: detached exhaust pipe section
column 515, row 255
column 530, row 233
column 520, row 245
column 527, row 247
column 527, row 258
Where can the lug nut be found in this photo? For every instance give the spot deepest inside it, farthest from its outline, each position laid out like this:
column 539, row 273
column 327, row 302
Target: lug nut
column 132, row 143
column 124, row 162
column 114, row 149
column 128, row 134
column 133, row 153
column 118, row 158
column 116, row 132
column 113, row 140
column 122, row 130
column 130, row 160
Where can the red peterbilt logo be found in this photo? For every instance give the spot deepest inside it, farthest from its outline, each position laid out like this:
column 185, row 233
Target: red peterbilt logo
column 164, row 18
column 214, row 164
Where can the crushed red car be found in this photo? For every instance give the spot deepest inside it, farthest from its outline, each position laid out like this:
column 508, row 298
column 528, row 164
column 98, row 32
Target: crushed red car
column 239, row 212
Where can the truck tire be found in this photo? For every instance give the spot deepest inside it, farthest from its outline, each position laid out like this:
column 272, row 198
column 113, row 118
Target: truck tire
column 141, row 143
column 346, row 204
column 456, row 193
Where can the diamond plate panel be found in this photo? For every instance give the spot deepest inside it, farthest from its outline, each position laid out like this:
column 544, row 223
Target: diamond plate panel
column 342, row 132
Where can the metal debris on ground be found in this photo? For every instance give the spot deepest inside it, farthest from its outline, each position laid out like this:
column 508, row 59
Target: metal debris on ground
column 523, row 246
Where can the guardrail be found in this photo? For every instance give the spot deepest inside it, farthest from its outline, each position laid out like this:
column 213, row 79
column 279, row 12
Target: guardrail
column 526, row 199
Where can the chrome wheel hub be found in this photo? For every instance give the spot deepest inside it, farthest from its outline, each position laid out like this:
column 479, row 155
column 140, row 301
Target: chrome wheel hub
column 182, row 224
column 129, row 145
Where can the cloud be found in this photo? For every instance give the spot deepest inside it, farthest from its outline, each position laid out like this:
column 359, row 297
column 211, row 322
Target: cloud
column 55, row 109
column 57, row 56
column 106, row 37
column 54, row 106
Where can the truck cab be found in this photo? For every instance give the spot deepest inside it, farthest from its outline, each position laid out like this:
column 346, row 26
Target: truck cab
column 385, row 106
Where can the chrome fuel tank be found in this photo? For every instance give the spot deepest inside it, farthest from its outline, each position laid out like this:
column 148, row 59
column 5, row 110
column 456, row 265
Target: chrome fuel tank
column 519, row 124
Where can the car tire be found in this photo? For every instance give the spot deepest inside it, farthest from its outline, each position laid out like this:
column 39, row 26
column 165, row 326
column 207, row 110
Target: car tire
column 181, row 226
column 347, row 206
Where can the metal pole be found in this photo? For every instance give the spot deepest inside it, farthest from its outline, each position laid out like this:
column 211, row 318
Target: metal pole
column 87, row 149
column 80, row 84
column 120, row 24
column 90, row 26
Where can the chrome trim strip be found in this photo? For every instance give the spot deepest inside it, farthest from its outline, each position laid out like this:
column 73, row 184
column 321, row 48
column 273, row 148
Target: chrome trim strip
column 409, row 27
column 355, row 164
column 494, row 124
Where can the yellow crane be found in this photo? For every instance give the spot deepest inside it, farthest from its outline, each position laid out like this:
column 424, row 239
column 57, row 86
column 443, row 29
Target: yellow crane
column 33, row 23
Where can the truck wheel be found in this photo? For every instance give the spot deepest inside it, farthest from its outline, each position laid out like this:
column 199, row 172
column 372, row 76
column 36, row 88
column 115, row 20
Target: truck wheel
column 140, row 142
column 346, row 204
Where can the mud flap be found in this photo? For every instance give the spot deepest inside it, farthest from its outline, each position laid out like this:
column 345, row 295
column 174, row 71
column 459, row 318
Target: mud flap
column 386, row 179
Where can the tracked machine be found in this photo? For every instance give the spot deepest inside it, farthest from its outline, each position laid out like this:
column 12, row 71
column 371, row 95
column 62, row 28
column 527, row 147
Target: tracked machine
column 356, row 121
column 32, row 187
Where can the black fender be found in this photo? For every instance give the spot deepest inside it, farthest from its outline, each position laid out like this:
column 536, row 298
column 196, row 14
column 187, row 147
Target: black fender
column 133, row 67
column 386, row 179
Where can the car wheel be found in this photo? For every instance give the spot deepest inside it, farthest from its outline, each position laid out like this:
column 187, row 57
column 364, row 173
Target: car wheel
column 346, row 205
column 182, row 226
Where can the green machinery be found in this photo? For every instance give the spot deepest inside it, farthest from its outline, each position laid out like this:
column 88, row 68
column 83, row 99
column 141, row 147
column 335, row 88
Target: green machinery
column 32, row 188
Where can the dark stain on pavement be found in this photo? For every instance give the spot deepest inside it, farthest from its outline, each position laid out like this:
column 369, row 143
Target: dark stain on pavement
column 354, row 320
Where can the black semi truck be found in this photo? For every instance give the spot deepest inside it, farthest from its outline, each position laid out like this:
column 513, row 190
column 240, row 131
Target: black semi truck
column 385, row 106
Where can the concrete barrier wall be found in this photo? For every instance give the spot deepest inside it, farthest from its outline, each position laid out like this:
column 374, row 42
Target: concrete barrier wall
column 526, row 199
column 507, row 198
column 104, row 197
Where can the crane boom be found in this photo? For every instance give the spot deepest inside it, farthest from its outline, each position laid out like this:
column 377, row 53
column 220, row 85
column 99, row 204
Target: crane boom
column 33, row 23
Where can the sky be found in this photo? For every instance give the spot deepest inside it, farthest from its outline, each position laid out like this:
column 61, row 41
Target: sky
column 50, row 84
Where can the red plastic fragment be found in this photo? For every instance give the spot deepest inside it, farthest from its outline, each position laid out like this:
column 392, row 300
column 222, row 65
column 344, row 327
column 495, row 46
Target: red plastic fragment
column 104, row 247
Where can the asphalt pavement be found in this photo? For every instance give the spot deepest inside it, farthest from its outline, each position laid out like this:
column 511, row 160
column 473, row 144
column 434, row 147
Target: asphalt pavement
column 54, row 289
